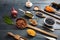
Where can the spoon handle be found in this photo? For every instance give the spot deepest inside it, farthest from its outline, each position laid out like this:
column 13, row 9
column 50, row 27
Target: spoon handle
column 14, row 35
column 42, row 31
column 50, row 14
column 22, row 10
column 11, row 34
column 57, row 13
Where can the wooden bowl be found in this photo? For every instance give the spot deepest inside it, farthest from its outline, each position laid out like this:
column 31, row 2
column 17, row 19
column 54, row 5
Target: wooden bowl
column 21, row 25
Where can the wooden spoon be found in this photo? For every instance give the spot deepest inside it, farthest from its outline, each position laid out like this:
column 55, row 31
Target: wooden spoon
column 37, row 29
column 42, row 31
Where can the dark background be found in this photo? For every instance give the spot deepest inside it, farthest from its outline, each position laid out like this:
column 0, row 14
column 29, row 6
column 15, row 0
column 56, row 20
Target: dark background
column 5, row 8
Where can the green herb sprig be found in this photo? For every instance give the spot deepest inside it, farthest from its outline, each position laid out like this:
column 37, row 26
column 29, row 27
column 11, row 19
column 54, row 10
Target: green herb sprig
column 8, row 20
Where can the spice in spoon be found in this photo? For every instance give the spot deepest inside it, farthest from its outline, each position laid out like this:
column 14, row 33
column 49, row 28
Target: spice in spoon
column 21, row 23
column 49, row 9
column 31, row 32
column 36, row 8
column 33, row 22
column 39, row 14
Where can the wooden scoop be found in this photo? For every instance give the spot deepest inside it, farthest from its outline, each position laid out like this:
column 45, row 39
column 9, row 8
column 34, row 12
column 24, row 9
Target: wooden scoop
column 51, row 9
column 17, row 37
column 13, row 35
column 37, row 29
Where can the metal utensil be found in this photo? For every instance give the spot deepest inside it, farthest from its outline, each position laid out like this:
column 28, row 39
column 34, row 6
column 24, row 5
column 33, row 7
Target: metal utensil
column 50, row 38
column 21, row 10
column 27, row 13
column 47, row 37
column 51, row 29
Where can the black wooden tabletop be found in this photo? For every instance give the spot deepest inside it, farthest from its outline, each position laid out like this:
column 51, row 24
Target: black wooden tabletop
column 5, row 9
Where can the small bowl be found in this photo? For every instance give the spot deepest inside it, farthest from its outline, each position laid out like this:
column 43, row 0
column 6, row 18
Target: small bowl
column 50, row 21
column 29, row 4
